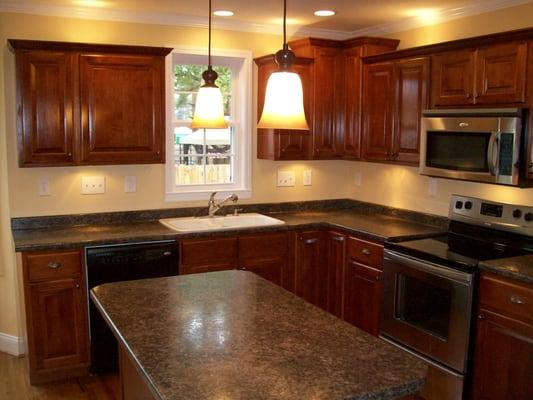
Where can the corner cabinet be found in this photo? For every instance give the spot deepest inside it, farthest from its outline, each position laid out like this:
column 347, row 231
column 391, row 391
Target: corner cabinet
column 85, row 104
column 56, row 315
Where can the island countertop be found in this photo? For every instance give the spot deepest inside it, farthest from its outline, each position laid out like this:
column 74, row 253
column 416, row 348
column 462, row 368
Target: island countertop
column 233, row 335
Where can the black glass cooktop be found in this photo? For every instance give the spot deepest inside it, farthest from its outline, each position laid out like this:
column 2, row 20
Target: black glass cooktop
column 465, row 245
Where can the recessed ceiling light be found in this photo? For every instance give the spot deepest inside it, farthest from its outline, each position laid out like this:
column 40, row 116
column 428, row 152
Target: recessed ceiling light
column 224, row 13
column 324, row 13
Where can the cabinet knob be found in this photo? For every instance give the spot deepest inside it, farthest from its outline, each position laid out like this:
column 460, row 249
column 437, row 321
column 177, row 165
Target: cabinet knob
column 366, row 252
column 54, row 265
column 530, row 165
column 468, row 96
column 77, row 285
column 69, row 154
column 338, row 238
column 481, row 317
column 516, row 300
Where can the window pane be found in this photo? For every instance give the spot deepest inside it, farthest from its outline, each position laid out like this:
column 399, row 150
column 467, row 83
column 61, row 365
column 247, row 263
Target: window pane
column 188, row 79
column 190, row 170
column 188, row 141
column 219, row 141
column 218, row 170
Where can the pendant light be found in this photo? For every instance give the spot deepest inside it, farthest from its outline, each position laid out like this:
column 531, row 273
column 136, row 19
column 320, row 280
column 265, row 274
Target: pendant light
column 284, row 100
column 209, row 107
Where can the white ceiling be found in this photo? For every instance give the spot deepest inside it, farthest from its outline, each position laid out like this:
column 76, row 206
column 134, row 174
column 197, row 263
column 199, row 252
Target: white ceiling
column 353, row 16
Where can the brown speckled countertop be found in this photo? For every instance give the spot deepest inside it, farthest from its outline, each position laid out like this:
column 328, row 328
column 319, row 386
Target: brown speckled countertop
column 519, row 268
column 234, row 335
column 367, row 224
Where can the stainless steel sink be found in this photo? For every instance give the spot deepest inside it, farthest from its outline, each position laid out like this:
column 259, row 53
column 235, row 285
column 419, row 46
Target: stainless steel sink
column 195, row 224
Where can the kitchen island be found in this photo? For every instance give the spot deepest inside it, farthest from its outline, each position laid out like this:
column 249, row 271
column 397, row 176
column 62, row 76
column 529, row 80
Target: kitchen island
column 233, row 335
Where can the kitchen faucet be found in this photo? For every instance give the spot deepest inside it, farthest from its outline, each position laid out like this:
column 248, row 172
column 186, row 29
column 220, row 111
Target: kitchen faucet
column 213, row 206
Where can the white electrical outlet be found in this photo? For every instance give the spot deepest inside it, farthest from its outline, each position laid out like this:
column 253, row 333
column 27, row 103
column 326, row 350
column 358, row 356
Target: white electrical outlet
column 432, row 187
column 130, row 184
column 44, row 187
column 358, row 178
column 286, row 178
column 92, row 185
column 308, row 177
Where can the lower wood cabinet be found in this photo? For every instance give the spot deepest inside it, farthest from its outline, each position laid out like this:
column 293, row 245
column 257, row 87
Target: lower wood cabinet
column 310, row 272
column 335, row 263
column 56, row 313
column 503, row 361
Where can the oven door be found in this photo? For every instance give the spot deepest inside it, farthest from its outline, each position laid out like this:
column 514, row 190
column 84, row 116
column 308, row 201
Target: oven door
column 427, row 308
column 475, row 149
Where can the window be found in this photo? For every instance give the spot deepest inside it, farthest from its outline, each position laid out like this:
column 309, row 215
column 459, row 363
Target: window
column 206, row 160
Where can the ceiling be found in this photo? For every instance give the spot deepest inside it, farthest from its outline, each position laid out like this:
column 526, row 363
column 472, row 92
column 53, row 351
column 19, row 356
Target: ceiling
column 352, row 16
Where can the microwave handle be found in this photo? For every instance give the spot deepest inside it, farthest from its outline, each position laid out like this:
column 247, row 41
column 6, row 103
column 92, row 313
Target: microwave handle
column 492, row 160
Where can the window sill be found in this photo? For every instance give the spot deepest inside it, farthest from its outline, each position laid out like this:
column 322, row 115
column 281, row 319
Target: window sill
column 205, row 194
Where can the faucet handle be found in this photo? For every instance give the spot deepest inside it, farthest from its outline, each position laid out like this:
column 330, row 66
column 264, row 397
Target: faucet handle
column 212, row 197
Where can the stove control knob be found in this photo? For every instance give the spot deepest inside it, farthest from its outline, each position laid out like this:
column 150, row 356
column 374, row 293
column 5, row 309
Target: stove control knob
column 517, row 213
column 458, row 205
column 528, row 217
column 468, row 205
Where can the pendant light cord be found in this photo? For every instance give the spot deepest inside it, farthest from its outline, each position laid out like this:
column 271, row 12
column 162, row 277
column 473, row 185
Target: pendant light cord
column 284, row 24
column 209, row 41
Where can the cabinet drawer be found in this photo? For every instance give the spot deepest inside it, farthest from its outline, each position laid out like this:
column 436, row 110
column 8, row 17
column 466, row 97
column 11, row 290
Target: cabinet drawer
column 208, row 251
column 50, row 266
column 365, row 252
column 508, row 297
column 263, row 246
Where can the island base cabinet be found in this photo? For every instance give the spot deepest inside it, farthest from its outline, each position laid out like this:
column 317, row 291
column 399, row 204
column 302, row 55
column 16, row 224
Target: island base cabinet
column 132, row 385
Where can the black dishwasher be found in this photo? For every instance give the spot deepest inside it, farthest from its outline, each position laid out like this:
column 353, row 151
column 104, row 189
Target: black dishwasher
column 122, row 263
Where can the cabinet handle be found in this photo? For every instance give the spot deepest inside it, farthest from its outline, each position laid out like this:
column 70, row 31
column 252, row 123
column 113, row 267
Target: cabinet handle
column 242, row 268
column 468, row 96
column 77, row 285
column 481, row 317
column 69, row 154
column 338, row 238
column 378, row 278
column 530, row 165
column 54, row 265
column 309, row 241
column 516, row 300
column 366, row 252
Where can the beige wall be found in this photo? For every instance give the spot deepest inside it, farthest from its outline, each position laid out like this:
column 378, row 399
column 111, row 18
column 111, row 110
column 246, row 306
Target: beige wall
column 396, row 186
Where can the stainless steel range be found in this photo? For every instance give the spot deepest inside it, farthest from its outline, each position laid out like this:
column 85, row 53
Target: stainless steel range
column 429, row 284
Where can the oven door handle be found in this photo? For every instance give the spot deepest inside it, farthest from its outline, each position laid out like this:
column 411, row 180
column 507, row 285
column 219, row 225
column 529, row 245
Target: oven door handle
column 428, row 267
column 492, row 160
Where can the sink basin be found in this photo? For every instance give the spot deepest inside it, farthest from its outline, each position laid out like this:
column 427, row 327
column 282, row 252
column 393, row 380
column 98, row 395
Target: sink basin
column 194, row 224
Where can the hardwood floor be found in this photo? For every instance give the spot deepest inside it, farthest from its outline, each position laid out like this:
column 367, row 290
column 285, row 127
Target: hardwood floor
column 15, row 385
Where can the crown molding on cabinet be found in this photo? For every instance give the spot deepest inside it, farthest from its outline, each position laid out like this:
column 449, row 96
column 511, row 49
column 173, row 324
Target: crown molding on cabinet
column 444, row 15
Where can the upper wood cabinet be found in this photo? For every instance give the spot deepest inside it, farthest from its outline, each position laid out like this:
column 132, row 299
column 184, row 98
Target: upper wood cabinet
column 284, row 144
column 122, row 108
column 493, row 75
column 82, row 104
column 377, row 122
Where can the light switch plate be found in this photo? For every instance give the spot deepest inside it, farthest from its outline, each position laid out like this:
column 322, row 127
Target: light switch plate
column 130, row 184
column 308, row 177
column 92, row 185
column 286, row 178
column 358, row 178
column 432, row 187
column 44, row 187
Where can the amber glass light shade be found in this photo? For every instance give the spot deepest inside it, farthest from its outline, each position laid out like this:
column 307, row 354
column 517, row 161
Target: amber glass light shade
column 284, row 103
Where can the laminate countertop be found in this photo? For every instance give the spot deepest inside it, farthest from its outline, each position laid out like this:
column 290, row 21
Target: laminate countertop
column 233, row 335
column 373, row 226
column 518, row 268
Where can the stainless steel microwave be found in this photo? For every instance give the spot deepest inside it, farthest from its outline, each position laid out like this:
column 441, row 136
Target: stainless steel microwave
column 482, row 145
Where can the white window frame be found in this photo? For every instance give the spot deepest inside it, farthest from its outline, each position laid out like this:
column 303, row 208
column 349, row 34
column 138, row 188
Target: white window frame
column 241, row 109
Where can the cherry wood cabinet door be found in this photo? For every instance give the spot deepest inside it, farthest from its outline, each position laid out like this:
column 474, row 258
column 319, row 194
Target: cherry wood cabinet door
column 46, row 106
column 208, row 255
column 501, row 74
column 503, row 361
column 58, row 319
column 310, row 274
column 336, row 255
column 377, row 124
column 362, row 296
column 270, row 269
column 352, row 102
column 452, row 78
column 326, row 143
column 123, row 109
column 411, row 77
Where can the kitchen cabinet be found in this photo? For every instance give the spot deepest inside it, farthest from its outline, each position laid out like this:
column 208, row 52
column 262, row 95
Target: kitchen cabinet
column 377, row 119
column 264, row 254
column 352, row 82
column 492, row 74
column 336, row 256
column 310, row 271
column 503, row 356
column 88, row 104
column 284, row 144
column 56, row 315
column 363, row 285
